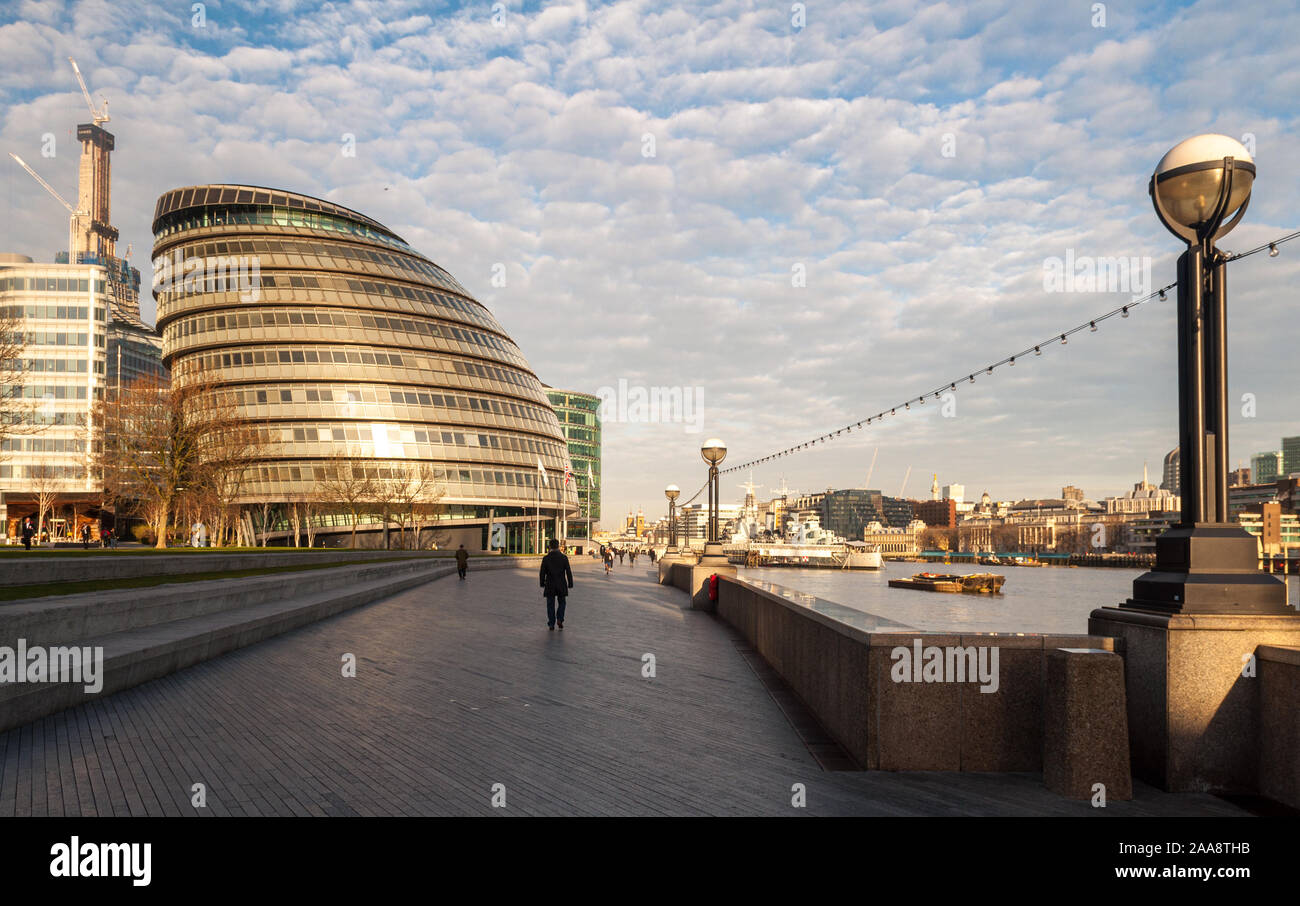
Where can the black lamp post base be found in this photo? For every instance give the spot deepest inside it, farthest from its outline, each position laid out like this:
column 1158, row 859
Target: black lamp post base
column 1208, row 568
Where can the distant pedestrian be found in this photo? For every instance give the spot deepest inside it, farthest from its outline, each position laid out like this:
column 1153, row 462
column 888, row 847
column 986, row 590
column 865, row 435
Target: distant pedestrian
column 462, row 561
column 28, row 531
column 621, row 553
column 631, row 556
column 85, row 537
column 556, row 579
column 609, row 560
column 652, row 555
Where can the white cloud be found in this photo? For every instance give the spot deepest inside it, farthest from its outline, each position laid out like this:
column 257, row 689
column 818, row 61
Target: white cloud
column 774, row 147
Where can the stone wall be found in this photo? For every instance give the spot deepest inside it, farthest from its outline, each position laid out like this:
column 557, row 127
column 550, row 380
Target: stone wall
column 1279, row 723
column 842, row 664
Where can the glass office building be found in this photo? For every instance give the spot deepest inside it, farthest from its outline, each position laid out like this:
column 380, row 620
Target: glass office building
column 346, row 344
column 579, row 416
column 846, row 512
column 61, row 311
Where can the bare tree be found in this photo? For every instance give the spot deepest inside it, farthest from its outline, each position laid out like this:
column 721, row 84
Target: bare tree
column 939, row 538
column 412, row 498
column 229, row 448
column 309, row 505
column 347, row 484
column 151, row 449
column 425, row 503
column 295, row 517
column 15, row 412
column 46, row 485
column 1005, row 538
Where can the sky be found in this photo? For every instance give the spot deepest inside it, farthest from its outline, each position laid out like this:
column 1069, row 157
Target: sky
column 801, row 214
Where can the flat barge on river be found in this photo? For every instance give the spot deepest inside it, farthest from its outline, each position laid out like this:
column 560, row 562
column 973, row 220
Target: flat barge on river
column 976, row 584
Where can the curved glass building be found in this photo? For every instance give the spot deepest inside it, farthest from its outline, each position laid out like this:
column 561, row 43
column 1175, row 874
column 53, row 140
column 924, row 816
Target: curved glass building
column 345, row 344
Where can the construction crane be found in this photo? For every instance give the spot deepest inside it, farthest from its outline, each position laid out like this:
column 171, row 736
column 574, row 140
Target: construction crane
column 72, row 224
column 905, row 477
column 97, row 116
column 874, row 454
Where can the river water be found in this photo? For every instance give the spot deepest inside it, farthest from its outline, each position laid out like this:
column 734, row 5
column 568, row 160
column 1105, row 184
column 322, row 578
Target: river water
column 1050, row 599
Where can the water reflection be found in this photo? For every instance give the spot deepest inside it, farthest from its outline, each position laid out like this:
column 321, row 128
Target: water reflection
column 858, row 619
column 1034, row 600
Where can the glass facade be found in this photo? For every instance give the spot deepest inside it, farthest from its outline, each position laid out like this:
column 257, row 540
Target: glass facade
column 846, row 512
column 61, row 311
column 1290, row 456
column 340, row 342
column 579, row 417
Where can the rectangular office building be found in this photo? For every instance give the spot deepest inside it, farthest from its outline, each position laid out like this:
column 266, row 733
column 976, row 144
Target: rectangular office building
column 59, row 318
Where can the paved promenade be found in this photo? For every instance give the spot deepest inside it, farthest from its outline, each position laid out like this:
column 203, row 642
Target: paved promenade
column 460, row 687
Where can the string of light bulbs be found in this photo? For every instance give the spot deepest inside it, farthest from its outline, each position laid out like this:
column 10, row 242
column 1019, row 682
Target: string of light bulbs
column 1036, row 349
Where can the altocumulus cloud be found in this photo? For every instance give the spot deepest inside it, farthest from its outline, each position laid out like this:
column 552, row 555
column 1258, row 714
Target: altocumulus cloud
column 521, row 143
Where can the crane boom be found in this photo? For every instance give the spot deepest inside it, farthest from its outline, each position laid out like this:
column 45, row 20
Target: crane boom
column 48, row 188
column 872, row 469
column 96, row 115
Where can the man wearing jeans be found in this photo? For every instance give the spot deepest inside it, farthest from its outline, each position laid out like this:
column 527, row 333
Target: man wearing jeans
column 556, row 580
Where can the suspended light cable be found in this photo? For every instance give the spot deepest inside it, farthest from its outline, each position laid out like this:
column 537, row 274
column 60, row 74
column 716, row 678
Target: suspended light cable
column 1036, row 349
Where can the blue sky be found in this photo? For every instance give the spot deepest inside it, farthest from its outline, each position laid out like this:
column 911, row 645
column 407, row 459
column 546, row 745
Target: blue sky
column 521, row 144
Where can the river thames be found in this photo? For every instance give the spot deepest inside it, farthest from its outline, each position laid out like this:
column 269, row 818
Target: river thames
column 1035, row 599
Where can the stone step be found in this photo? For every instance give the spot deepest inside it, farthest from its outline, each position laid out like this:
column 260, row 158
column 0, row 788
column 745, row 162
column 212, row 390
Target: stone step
column 17, row 569
column 67, row 619
column 144, row 653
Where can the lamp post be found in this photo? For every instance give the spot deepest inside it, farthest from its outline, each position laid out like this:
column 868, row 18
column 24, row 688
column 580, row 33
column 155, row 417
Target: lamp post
column 713, row 451
column 671, row 492
column 1204, row 564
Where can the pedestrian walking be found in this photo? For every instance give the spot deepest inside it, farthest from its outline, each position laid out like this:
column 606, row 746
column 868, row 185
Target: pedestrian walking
column 28, row 531
column 556, row 579
column 462, row 561
column 609, row 560
column 621, row 553
column 631, row 555
column 85, row 537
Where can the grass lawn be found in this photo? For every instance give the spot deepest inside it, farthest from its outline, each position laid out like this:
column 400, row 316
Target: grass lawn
column 26, row 592
column 18, row 551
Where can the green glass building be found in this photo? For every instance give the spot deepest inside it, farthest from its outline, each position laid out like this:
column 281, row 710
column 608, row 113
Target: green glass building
column 579, row 418
column 1290, row 456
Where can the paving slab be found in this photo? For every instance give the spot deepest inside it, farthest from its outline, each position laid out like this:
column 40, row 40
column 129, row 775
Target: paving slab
column 460, row 687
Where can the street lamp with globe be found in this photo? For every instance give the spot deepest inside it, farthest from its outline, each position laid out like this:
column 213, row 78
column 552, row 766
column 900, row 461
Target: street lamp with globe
column 672, row 492
column 1205, row 564
column 713, row 451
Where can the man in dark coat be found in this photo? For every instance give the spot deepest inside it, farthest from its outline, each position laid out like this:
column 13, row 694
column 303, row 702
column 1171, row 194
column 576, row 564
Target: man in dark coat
column 462, row 561
column 556, row 580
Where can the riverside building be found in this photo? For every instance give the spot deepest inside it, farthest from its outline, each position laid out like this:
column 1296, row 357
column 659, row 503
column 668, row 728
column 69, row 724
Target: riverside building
column 61, row 311
column 349, row 348
column 579, row 417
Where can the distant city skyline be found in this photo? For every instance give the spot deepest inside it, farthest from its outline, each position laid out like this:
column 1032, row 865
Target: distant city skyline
column 805, row 223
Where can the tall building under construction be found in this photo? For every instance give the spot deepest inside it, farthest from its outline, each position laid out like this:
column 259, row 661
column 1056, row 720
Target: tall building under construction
column 79, row 324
